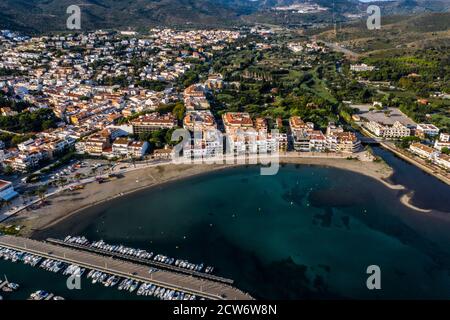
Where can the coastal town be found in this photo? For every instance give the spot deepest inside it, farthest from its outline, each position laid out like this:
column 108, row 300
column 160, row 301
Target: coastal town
column 224, row 157
column 113, row 99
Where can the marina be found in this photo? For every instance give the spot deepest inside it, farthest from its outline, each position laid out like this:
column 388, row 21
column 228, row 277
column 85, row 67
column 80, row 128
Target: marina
column 109, row 271
column 142, row 256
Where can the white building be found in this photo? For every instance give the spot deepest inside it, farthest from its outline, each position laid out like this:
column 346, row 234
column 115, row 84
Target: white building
column 423, row 151
column 137, row 149
column 123, row 147
column 120, row 147
column 395, row 131
column 425, row 129
column 361, row 67
column 443, row 160
column 442, row 142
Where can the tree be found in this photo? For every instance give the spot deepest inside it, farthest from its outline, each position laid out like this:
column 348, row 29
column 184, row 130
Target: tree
column 41, row 191
column 8, row 170
column 407, row 141
column 445, row 150
column 179, row 111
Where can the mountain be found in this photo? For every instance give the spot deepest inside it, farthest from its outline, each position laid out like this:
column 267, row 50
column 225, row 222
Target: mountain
column 45, row 15
column 398, row 33
column 413, row 6
column 50, row 15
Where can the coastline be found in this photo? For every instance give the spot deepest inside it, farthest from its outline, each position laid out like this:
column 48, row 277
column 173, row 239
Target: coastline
column 406, row 200
column 69, row 203
column 435, row 172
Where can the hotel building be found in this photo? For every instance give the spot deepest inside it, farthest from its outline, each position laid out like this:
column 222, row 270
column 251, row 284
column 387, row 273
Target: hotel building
column 153, row 122
column 395, row 131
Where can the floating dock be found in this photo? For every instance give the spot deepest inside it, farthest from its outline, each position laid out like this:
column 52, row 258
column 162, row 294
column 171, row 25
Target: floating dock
column 151, row 263
column 200, row 287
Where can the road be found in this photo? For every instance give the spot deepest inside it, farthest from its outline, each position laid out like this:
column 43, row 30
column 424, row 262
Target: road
column 336, row 47
column 13, row 133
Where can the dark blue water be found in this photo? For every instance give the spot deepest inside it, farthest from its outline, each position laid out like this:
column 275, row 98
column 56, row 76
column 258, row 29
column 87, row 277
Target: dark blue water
column 308, row 232
column 32, row 279
column 429, row 192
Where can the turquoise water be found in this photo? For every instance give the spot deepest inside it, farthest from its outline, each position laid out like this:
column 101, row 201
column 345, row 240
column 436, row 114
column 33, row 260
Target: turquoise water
column 307, row 232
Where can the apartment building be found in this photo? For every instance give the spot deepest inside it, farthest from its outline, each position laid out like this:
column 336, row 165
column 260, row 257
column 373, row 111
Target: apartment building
column 195, row 121
column 153, row 122
column 120, row 147
column 442, row 142
column 443, row 160
column 395, row 131
column 424, row 129
column 124, row 147
column 297, row 125
column 247, row 137
column 137, row 149
column 347, row 142
column 96, row 144
column 423, row 151
column 26, row 161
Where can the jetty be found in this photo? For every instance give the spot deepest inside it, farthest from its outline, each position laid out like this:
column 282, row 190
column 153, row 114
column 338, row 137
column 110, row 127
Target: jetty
column 201, row 287
column 151, row 263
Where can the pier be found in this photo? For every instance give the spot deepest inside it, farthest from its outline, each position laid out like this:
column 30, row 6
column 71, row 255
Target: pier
column 200, row 287
column 151, row 263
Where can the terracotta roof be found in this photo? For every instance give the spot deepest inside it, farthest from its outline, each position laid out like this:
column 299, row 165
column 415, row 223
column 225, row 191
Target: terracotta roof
column 237, row 118
column 4, row 183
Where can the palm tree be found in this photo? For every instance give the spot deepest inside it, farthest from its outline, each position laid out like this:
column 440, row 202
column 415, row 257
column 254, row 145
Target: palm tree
column 41, row 191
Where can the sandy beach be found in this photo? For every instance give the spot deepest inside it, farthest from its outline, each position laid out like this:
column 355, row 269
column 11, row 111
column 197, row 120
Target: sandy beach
column 67, row 203
column 406, row 200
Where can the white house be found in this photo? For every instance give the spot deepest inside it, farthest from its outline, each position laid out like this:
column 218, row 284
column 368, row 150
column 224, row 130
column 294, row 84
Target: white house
column 442, row 142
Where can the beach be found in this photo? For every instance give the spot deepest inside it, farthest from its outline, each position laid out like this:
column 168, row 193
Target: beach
column 67, row 203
